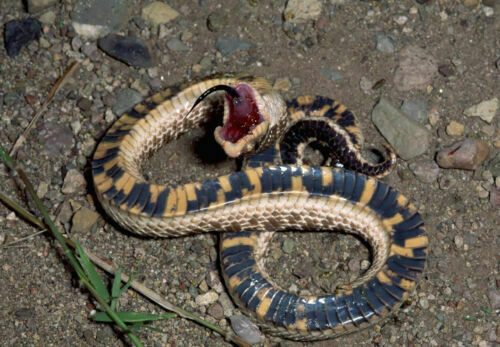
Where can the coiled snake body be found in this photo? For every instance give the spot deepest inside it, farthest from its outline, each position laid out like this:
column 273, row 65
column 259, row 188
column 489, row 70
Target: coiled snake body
column 273, row 192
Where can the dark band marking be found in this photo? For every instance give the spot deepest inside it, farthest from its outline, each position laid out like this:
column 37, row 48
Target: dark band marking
column 376, row 305
column 352, row 308
column 342, row 312
column 331, row 311
column 381, row 293
column 161, row 203
column 362, row 304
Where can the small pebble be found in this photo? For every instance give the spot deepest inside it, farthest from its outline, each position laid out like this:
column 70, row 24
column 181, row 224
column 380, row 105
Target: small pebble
column 401, row 20
column 48, row 17
column 433, row 116
column 216, row 311
column 83, row 220
column 454, row 129
column 74, row 182
column 207, row 298
column 84, row 104
column 125, row 99
column 76, row 43
column 425, row 170
column 213, row 281
column 176, row 44
column 424, row 303
column 488, row 11
column 471, row 3
column 333, row 75
column 282, row 84
column 384, row 43
column 203, row 286
column 42, row 189
column 446, row 70
column 446, row 182
column 365, row 264
column 298, row 11
column 226, row 304
column 487, row 176
column 44, row 43
column 354, row 265
column 245, row 329
column 495, row 197
column 494, row 298
column 366, row 85
column 158, row 13
column 459, row 242
column 217, row 21
column 288, row 246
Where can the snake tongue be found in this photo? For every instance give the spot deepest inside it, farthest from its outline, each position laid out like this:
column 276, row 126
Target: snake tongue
column 244, row 114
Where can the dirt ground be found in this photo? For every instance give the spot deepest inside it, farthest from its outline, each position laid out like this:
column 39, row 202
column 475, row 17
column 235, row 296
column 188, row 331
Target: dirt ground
column 456, row 301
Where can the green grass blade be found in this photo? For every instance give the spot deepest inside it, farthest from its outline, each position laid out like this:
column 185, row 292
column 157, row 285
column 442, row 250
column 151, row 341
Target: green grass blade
column 115, row 288
column 129, row 282
column 132, row 317
column 92, row 273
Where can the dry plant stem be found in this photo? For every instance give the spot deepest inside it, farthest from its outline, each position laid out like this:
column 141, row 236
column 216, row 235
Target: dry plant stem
column 67, row 251
column 156, row 298
column 59, row 84
column 138, row 286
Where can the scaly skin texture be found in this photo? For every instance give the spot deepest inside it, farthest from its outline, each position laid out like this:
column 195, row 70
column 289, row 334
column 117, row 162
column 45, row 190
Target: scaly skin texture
column 269, row 195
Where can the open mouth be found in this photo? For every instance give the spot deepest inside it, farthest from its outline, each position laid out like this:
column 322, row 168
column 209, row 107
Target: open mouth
column 244, row 124
column 243, row 114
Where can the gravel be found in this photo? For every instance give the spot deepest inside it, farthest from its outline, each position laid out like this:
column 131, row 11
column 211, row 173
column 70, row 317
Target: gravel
column 455, row 303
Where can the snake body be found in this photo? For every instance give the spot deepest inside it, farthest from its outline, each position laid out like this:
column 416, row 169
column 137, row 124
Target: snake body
column 271, row 193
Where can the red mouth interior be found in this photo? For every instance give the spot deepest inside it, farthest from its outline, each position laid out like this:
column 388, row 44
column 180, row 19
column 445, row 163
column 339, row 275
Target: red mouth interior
column 244, row 114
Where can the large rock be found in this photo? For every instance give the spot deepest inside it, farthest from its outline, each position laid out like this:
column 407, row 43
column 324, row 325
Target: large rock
column 467, row 154
column 18, row 33
column 416, row 69
column 34, row 6
column 407, row 136
column 129, row 49
column 485, row 110
column 94, row 18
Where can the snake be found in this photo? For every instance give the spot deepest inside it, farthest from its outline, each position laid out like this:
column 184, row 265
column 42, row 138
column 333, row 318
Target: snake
column 274, row 191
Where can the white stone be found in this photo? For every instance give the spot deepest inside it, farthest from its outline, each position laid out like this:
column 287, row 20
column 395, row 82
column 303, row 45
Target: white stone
column 486, row 110
column 297, row 11
column 158, row 13
column 90, row 31
column 488, row 11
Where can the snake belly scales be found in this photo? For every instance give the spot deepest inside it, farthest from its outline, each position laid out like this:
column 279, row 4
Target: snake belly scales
column 270, row 193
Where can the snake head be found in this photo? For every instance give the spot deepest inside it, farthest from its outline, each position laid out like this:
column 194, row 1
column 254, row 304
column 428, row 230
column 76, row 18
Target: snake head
column 245, row 121
column 249, row 112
